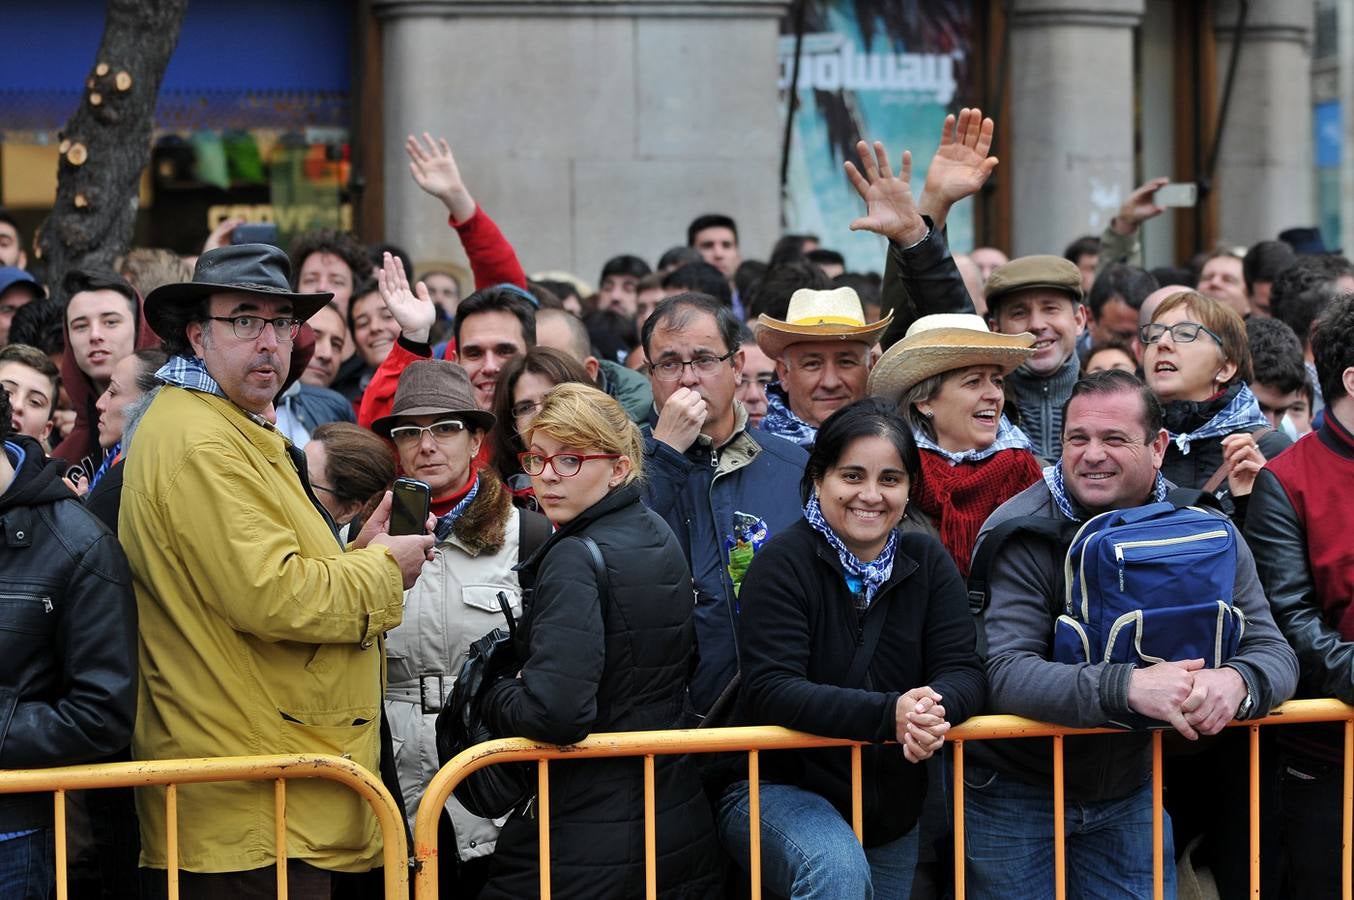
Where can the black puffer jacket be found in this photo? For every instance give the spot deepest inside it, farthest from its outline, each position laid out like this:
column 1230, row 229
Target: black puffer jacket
column 616, row 665
column 799, row 633
column 67, row 633
column 1194, row 469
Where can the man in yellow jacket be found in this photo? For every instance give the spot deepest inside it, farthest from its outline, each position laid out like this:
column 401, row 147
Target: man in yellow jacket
column 258, row 633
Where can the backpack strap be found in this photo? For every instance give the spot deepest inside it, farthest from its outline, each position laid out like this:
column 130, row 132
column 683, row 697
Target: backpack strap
column 533, row 530
column 1181, row 498
column 1215, row 481
column 598, row 566
column 1055, row 531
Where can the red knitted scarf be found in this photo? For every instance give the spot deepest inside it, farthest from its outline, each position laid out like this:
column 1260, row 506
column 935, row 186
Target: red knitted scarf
column 960, row 498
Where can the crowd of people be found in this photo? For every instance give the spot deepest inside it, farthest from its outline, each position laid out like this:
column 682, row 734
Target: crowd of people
column 716, row 491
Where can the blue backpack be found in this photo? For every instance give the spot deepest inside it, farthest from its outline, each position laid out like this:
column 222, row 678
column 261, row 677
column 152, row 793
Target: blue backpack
column 1141, row 585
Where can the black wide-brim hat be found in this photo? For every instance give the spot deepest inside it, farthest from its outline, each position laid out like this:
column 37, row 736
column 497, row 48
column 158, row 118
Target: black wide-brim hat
column 259, row 269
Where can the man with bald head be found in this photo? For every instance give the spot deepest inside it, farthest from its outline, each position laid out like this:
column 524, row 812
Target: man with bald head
column 566, row 333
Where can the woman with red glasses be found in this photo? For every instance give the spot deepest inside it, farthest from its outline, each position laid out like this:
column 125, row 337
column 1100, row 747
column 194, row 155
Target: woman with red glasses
column 608, row 647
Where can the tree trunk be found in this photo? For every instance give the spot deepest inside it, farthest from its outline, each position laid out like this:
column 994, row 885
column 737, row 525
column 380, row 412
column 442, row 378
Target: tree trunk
column 106, row 144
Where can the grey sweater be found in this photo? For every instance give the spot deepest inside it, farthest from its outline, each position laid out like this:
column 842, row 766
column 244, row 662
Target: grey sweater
column 1040, row 399
column 1027, row 592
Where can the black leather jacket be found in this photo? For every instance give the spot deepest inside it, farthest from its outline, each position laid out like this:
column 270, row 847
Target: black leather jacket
column 67, row 633
column 1325, row 659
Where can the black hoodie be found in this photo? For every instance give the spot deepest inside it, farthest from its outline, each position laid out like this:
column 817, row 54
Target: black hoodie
column 67, row 631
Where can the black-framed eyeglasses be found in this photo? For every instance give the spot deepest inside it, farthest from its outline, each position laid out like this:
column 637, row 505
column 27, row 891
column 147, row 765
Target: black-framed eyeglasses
column 1181, row 332
column 671, row 369
column 408, row 435
column 524, row 408
column 564, row 464
column 247, row 328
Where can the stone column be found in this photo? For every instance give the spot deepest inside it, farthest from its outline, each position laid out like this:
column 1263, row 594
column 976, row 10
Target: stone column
column 585, row 128
column 1071, row 118
column 1265, row 178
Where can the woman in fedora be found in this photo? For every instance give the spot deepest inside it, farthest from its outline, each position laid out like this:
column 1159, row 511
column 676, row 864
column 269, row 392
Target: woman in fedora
column 609, row 647
column 945, row 379
column 437, row 429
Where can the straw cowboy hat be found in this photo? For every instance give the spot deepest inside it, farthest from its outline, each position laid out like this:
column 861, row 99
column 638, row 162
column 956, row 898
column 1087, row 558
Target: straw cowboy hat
column 943, row 343
column 819, row 316
column 260, row 270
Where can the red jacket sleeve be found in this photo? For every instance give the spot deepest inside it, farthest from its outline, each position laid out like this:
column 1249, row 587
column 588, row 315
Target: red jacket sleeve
column 492, row 259
column 379, row 398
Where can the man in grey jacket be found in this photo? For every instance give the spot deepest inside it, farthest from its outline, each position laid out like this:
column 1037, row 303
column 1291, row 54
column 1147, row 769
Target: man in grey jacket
column 1113, row 445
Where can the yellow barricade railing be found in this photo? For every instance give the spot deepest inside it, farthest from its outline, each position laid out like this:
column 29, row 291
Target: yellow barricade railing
column 173, row 772
column 648, row 744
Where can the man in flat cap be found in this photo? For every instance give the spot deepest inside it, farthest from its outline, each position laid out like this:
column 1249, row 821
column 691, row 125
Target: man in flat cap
column 259, row 634
column 822, row 354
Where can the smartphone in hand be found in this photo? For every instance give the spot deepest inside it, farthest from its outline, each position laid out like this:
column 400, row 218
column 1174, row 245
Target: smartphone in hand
column 409, row 503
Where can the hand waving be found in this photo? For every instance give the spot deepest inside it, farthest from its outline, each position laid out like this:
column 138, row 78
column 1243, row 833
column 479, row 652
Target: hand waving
column 961, row 165
column 435, row 170
column 889, row 208
column 415, row 312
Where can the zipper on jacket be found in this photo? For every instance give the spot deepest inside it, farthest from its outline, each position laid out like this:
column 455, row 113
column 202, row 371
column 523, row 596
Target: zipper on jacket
column 44, row 600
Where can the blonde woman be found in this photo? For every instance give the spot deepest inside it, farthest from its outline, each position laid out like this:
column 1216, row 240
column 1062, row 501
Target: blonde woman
column 608, row 647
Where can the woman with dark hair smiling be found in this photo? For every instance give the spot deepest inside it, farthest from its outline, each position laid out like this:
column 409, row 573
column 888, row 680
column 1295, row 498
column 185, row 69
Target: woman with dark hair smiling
column 851, row 629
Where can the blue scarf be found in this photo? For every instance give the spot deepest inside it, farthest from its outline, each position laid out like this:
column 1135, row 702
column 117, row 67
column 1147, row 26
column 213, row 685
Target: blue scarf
column 1053, row 477
column 1009, row 437
column 1242, row 413
column 862, row 578
column 781, row 421
column 109, row 458
column 444, row 524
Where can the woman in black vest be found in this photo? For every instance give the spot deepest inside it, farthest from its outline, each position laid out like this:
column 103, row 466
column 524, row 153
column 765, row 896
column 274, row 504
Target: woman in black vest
column 606, row 649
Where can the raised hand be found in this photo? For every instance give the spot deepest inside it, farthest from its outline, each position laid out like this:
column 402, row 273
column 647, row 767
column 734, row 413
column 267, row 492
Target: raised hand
column 960, row 166
column 434, row 169
column 414, row 311
column 1138, row 207
column 889, row 208
column 1246, row 460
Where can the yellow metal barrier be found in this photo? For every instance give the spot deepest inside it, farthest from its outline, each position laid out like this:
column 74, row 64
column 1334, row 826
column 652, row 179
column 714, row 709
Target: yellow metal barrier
column 173, row 772
column 649, row 744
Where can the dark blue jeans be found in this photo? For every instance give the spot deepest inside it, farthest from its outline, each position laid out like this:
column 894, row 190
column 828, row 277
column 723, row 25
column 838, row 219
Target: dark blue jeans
column 26, row 866
column 1008, row 837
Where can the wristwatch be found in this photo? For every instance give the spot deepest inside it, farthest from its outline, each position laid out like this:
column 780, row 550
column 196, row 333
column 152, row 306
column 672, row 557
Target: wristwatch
column 1244, row 710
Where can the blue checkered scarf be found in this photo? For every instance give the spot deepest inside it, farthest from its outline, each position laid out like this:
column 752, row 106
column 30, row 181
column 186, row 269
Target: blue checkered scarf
column 1053, row 477
column 1009, row 437
column 862, row 578
column 189, row 372
column 444, row 524
column 1242, row 413
column 781, row 421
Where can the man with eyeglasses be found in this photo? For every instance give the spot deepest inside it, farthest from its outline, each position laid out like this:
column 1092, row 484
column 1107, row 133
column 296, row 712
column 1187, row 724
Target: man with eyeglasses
column 717, row 482
column 258, row 633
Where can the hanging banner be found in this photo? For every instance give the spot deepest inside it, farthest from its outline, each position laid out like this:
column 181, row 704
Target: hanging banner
column 886, row 70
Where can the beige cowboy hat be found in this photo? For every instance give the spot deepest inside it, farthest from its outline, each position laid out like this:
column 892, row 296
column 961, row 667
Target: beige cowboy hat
column 942, row 343
column 819, row 316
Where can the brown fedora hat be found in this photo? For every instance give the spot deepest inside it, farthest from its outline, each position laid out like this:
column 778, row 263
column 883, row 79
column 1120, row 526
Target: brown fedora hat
column 432, row 387
column 259, row 269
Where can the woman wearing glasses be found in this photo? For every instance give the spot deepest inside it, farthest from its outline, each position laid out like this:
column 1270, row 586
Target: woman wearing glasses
column 437, row 429
column 1197, row 361
column 522, row 386
column 608, row 648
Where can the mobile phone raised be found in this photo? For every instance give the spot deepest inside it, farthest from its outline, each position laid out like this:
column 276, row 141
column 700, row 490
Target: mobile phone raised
column 254, row 233
column 1177, row 193
column 409, row 506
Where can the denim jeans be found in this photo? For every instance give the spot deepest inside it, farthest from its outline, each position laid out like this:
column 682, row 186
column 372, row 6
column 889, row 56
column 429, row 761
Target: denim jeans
column 1008, row 838
column 26, row 866
column 809, row 851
